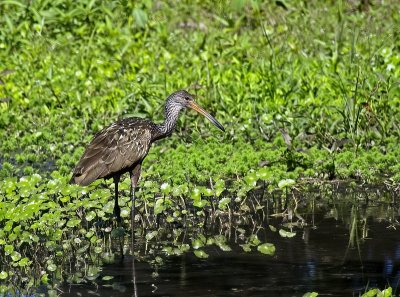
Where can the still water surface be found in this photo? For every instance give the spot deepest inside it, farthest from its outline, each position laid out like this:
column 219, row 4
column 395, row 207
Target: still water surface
column 319, row 258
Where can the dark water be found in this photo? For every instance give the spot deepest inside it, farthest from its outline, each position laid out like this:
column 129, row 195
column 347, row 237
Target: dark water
column 319, row 258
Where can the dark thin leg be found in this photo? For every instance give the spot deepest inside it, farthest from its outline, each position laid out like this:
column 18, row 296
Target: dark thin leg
column 135, row 174
column 117, row 209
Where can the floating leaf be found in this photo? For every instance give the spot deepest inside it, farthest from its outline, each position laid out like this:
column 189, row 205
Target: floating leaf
column 8, row 226
column 89, row 234
column 179, row 190
column 93, row 239
column 197, row 243
column 93, row 272
column 195, row 194
column 312, row 294
column 45, row 278
column 83, row 249
column 149, row 184
column 287, row 234
column 220, row 241
column 371, row 293
column 107, row 278
column 224, row 247
column 184, row 247
column 90, row 216
column 151, row 235
column 98, row 249
column 264, row 173
column 254, row 239
column 101, row 214
column 15, row 256
column 210, row 241
column 207, row 192
column 3, row 275
column 201, row 254
column 165, row 188
column 52, row 267
column 386, row 293
column 8, row 249
column 284, row 183
column 219, row 187
column 200, row 203
column 266, row 248
column 251, row 179
column 223, row 203
column 55, row 293
column 73, row 223
column 65, row 199
column 177, row 252
column 125, row 213
column 161, row 205
column 168, row 250
column 24, row 262
column 246, row 247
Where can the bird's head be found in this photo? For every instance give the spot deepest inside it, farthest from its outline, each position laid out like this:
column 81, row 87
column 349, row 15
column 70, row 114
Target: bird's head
column 182, row 99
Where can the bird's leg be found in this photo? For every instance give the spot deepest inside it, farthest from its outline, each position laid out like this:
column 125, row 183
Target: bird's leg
column 135, row 174
column 117, row 210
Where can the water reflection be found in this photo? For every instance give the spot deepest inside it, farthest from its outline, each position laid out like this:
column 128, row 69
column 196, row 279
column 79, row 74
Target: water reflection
column 347, row 242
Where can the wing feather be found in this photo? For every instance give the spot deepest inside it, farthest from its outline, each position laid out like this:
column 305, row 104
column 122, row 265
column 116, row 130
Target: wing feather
column 113, row 150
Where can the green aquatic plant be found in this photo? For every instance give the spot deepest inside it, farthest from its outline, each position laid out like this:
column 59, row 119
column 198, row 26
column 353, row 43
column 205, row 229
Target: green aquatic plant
column 378, row 293
column 68, row 69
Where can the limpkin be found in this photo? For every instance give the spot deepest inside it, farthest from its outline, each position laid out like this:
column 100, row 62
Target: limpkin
column 122, row 146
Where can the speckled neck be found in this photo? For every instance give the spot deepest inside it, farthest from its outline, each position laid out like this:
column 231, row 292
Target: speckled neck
column 172, row 110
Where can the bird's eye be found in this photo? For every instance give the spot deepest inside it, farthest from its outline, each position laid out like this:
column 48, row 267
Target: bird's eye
column 187, row 98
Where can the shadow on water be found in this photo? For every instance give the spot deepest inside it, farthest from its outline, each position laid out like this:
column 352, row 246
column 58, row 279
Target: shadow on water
column 346, row 242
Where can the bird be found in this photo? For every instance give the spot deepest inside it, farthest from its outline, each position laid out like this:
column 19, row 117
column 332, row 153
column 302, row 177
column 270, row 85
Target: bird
column 122, row 146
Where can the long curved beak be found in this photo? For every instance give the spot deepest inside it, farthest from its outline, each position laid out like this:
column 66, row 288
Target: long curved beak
column 193, row 105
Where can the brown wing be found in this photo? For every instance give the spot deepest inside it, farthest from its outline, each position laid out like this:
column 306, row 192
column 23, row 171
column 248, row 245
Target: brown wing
column 114, row 149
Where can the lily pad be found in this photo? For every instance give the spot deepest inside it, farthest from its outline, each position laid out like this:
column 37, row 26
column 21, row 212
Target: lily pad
column 287, row 234
column 223, row 203
column 197, row 243
column 285, row 183
column 201, row 254
column 3, row 275
column 266, row 248
column 52, row 267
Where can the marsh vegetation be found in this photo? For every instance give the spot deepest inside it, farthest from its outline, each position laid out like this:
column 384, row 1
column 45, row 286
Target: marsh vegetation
column 308, row 93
